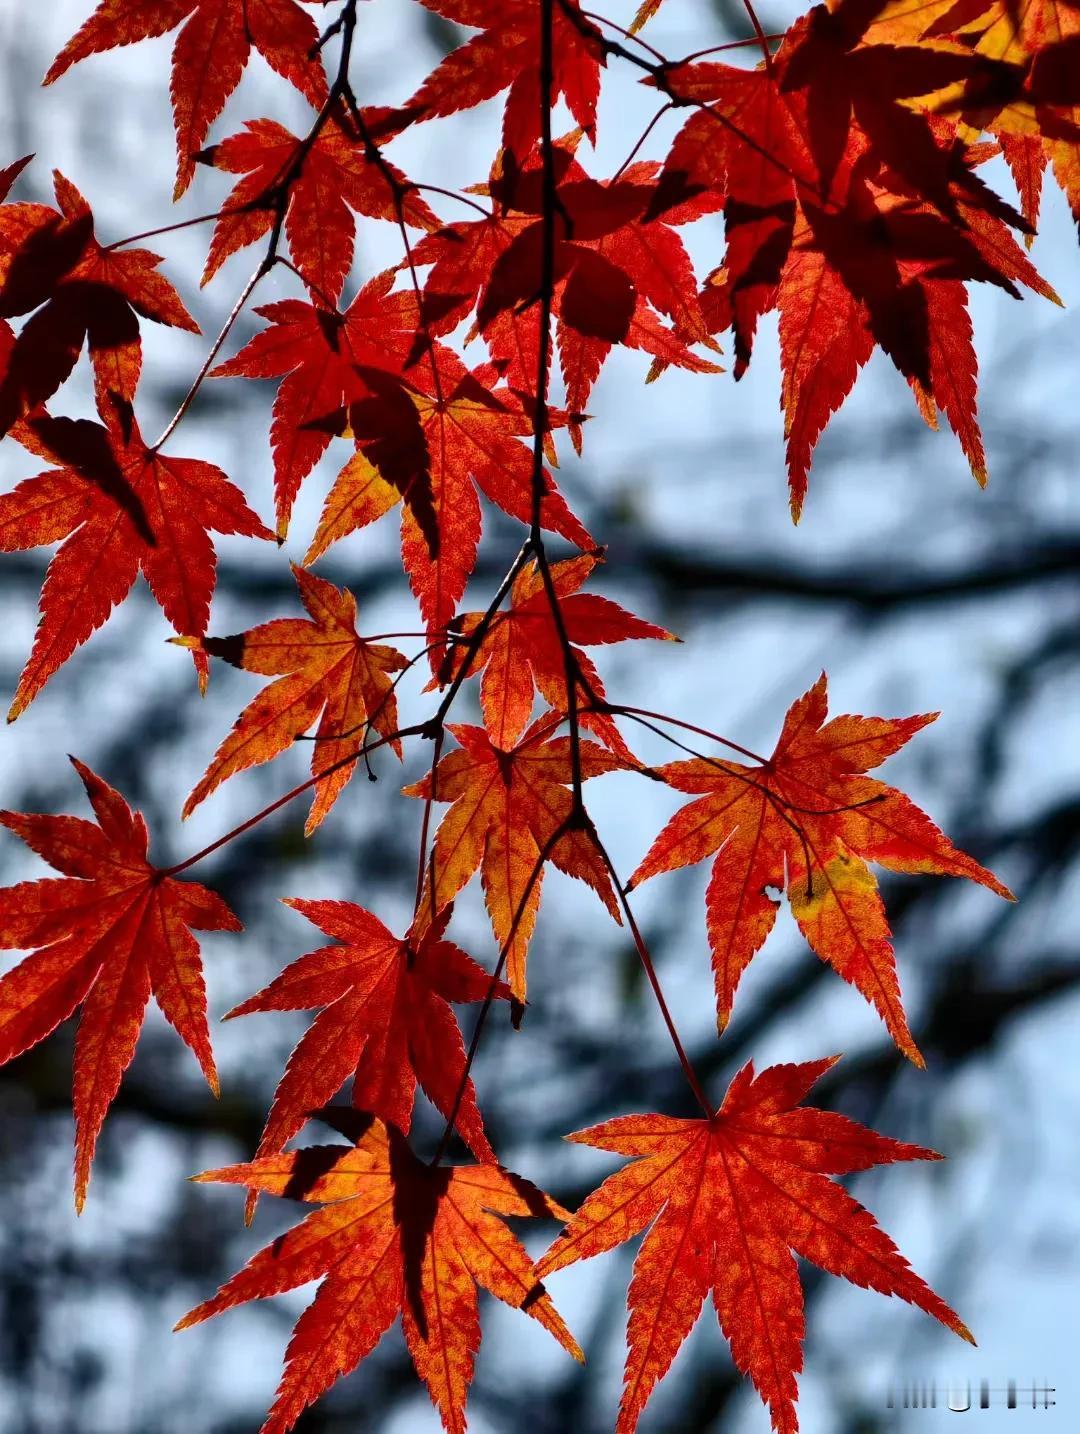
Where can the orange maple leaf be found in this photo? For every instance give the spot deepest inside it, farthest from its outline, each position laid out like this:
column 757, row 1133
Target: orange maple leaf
column 112, row 930
column 1037, row 119
column 121, row 506
column 728, row 1199
column 209, row 55
column 322, row 666
column 507, row 808
column 76, row 290
column 385, row 1019
column 807, row 821
column 522, row 651
column 397, row 1236
column 337, row 175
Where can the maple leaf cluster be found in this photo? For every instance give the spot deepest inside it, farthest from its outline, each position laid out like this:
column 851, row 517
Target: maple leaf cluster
column 844, row 158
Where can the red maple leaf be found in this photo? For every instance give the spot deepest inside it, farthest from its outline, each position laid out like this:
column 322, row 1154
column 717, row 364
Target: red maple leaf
column 617, row 269
column 522, row 650
column 320, row 356
column 858, row 218
column 429, row 433
column 209, row 55
column 76, row 291
column 470, row 430
column 385, row 1020
column 322, row 666
column 507, row 808
column 507, row 56
column 337, row 175
column 728, row 1200
column 807, row 821
column 395, row 1235
column 110, row 931
column 120, row 506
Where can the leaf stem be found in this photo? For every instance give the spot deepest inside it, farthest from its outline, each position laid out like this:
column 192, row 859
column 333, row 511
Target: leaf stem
column 654, row 980
column 730, row 45
column 637, row 715
column 265, row 265
column 425, row 827
column 759, row 32
column 630, row 35
column 646, row 132
column 416, row 730
column 453, row 194
column 476, row 637
column 182, row 224
column 619, row 708
column 489, row 997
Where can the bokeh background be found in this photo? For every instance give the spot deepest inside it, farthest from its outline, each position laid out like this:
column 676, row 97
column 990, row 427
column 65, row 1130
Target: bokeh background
column 913, row 588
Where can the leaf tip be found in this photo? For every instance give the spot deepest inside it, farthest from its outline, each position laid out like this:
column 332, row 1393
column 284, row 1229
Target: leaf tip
column 990, row 881
column 88, row 778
